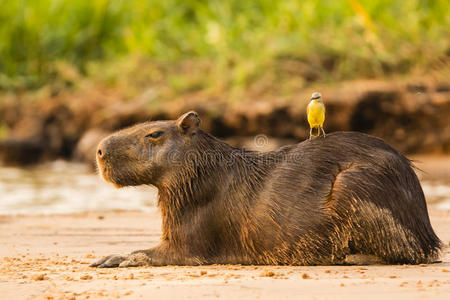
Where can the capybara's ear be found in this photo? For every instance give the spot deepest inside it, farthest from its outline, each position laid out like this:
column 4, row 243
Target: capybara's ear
column 188, row 122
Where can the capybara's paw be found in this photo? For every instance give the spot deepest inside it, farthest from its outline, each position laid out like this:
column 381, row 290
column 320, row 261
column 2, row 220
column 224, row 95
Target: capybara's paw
column 110, row 261
column 136, row 260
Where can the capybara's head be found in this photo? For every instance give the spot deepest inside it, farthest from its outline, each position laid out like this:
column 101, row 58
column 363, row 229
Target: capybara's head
column 145, row 153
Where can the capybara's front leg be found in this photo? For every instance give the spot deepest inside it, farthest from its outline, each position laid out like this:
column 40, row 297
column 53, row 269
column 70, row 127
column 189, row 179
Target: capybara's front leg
column 135, row 259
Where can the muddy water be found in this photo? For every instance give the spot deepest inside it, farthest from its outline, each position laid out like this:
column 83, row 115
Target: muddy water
column 62, row 187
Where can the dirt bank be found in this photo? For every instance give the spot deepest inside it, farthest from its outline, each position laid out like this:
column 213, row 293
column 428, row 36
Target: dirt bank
column 411, row 115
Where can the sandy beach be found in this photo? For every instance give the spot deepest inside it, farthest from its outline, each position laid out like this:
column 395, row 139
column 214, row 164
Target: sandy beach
column 48, row 257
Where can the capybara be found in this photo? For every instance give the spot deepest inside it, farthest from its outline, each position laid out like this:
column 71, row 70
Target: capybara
column 318, row 202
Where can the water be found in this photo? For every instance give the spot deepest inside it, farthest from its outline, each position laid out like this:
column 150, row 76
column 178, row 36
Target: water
column 62, row 187
column 437, row 194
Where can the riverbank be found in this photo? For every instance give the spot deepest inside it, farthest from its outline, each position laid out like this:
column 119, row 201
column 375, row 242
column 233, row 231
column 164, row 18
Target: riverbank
column 410, row 114
column 48, row 257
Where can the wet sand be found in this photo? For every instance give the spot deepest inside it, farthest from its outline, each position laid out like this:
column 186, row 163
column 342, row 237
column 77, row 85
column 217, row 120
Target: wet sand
column 47, row 257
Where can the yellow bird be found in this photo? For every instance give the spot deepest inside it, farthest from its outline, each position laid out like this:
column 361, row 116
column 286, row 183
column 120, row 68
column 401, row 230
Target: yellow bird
column 316, row 114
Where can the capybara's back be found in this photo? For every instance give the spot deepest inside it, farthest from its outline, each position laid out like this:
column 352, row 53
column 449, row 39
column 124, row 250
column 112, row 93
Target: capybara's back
column 350, row 193
column 322, row 201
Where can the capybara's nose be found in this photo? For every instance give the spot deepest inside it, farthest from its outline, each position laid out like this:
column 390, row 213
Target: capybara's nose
column 99, row 153
column 106, row 147
column 101, row 150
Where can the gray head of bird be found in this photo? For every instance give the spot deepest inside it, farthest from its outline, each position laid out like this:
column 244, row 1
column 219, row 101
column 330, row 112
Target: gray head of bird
column 316, row 96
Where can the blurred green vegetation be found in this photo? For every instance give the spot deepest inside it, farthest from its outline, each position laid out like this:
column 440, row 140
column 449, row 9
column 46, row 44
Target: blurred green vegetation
column 231, row 42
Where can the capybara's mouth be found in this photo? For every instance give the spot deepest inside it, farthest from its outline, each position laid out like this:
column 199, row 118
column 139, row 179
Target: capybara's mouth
column 105, row 173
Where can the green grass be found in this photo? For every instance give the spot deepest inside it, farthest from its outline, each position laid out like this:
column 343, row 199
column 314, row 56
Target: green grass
column 234, row 42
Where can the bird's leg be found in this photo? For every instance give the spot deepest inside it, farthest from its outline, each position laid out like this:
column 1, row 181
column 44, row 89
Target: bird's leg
column 323, row 131
column 310, row 133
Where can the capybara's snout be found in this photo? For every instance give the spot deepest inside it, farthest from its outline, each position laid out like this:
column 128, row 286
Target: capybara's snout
column 122, row 154
column 102, row 150
column 105, row 156
column 106, row 148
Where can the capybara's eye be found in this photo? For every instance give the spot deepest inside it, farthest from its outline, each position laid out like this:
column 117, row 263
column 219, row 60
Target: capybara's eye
column 155, row 134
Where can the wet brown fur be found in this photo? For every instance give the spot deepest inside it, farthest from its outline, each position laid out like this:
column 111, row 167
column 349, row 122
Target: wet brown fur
column 313, row 203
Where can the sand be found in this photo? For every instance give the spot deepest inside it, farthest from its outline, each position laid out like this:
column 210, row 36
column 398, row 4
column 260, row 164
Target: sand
column 48, row 257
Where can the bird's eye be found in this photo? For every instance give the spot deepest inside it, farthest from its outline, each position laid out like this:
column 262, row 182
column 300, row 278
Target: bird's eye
column 155, row 134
